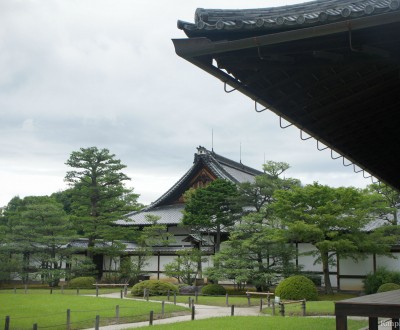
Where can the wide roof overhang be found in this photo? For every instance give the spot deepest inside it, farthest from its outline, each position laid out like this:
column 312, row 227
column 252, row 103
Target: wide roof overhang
column 337, row 82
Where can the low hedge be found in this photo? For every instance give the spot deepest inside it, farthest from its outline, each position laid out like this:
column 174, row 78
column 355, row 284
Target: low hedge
column 382, row 275
column 388, row 287
column 213, row 290
column 82, row 283
column 156, row 288
column 297, row 287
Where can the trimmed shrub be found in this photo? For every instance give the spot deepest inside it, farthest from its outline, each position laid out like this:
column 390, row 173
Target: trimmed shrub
column 82, row 283
column 388, row 287
column 373, row 281
column 213, row 290
column 297, row 287
column 156, row 288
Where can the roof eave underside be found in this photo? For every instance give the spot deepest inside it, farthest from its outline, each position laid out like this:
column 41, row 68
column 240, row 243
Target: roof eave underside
column 202, row 51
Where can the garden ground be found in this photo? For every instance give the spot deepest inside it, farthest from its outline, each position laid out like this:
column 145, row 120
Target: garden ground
column 206, row 312
column 202, row 312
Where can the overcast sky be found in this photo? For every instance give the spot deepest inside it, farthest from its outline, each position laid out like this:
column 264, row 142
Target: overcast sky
column 104, row 73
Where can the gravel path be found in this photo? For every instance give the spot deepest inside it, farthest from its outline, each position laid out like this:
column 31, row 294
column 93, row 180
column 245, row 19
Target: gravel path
column 201, row 312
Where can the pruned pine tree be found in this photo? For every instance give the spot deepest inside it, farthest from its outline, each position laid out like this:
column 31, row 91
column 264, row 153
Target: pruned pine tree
column 99, row 195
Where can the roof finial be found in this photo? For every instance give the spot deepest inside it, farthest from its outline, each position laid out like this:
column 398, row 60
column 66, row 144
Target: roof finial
column 240, row 153
column 212, row 140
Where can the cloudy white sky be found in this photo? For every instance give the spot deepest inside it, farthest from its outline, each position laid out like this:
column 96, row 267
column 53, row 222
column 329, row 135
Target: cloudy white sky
column 82, row 73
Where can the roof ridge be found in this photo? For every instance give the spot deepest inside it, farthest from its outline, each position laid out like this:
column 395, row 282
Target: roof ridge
column 284, row 17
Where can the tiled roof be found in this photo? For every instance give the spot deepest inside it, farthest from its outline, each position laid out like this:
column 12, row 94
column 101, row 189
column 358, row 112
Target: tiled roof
column 221, row 167
column 168, row 214
column 285, row 17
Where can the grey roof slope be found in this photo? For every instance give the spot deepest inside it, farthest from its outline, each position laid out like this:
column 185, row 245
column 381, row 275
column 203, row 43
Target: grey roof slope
column 274, row 19
column 165, row 206
column 168, row 214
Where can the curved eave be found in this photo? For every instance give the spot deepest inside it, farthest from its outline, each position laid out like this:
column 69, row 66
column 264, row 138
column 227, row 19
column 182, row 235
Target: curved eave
column 202, row 51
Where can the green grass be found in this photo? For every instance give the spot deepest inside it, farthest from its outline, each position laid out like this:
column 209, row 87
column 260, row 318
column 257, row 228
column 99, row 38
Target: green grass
column 259, row 322
column 321, row 307
column 50, row 310
column 59, row 291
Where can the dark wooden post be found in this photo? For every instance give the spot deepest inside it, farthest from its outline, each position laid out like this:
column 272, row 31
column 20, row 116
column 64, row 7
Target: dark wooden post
column 232, row 310
column 174, row 298
column 122, row 294
column 162, row 309
column 341, row 322
column 34, row 326
column 68, row 319
column 168, row 293
column 261, row 304
column 373, row 323
column 273, row 308
column 282, row 308
column 395, row 324
column 193, row 311
column 117, row 314
column 7, row 324
column 97, row 324
column 248, row 299
column 227, row 300
column 303, row 307
column 151, row 318
column 97, row 290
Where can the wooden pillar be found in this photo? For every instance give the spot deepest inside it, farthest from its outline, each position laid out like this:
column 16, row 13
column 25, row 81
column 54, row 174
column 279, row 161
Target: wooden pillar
column 338, row 272
column 341, row 322
column 158, row 265
column 373, row 323
column 374, row 262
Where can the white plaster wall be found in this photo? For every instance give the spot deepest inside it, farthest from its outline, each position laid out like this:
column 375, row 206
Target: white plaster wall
column 351, row 284
column 307, row 261
column 389, row 263
column 350, row 267
column 152, row 263
column 178, row 230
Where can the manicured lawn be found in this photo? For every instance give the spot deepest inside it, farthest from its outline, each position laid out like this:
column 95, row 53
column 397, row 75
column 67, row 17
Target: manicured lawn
column 325, row 306
column 50, row 310
column 259, row 322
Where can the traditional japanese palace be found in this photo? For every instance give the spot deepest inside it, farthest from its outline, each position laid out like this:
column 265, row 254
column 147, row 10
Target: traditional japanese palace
column 207, row 167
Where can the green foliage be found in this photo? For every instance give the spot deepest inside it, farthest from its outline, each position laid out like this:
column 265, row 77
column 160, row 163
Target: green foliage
column 373, row 281
column 156, row 288
column 213, row 290
column 297, row 287
column 98, row 195
column 82, row 283
column 185, row 267
column 333, row 220
column 388, row 287
column 36, row 230
column 211, row 207
column 82, row 267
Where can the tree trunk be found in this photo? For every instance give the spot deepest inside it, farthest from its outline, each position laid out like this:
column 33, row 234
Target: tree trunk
column 325, row 270
column 218, row 238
